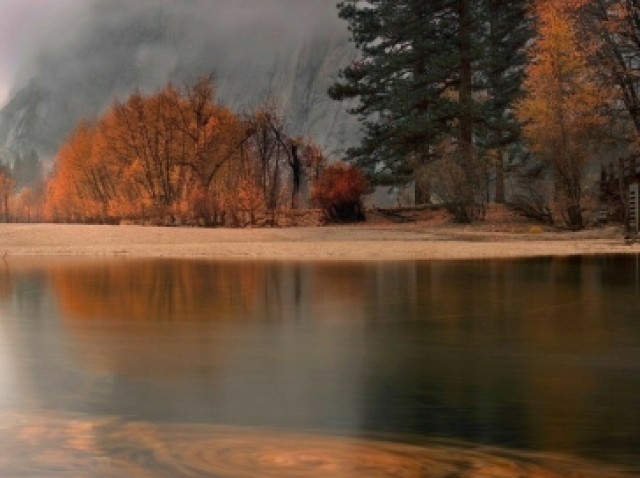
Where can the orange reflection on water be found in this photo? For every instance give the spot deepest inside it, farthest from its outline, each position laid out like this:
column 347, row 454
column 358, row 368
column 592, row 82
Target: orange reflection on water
column 56, row 446
column 156, row 291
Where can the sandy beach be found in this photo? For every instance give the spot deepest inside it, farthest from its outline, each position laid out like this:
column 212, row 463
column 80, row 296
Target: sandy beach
column 361, row 242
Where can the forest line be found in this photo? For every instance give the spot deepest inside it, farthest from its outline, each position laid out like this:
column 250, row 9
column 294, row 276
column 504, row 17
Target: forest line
column 469, row 101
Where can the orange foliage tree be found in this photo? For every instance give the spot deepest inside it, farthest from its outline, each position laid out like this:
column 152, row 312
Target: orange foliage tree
column 565, row 106
column 81, row 186
column 173, row 156
column 339, row 192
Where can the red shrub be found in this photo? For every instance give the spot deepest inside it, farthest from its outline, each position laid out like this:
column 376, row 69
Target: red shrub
column 338, row 192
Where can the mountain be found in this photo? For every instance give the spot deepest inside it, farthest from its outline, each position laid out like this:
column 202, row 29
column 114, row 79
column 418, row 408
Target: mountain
column 290, row 50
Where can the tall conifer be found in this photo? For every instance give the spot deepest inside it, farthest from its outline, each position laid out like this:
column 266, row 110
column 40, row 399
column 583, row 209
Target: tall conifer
column 418, row 80
column 509, row 28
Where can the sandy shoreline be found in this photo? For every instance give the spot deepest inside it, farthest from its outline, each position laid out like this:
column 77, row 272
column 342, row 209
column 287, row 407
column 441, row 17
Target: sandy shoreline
column 410, row 242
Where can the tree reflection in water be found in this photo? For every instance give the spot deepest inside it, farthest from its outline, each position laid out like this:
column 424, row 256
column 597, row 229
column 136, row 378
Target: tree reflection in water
column 538, row 354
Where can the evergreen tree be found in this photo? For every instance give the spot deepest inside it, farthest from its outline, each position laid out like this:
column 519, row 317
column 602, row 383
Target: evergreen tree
column 509, row 29
column 403, row 82
column 418, row 81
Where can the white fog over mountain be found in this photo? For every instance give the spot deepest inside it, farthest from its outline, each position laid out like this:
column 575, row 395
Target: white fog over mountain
column 290, row 50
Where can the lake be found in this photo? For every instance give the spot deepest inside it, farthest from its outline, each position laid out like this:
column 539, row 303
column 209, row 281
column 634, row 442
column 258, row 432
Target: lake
column 174, row 368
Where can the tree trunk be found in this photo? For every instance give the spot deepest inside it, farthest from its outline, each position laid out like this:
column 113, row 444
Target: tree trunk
column 422, row 188
column 466, row 113
column 499, row 170
column 6, row 207
column 498, row 156
column 296, row 169
column 466, row 87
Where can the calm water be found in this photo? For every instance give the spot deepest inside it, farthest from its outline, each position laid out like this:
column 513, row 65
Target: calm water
column 136, row 368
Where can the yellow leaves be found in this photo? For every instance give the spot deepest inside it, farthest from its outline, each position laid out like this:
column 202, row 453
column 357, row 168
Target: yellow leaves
column 565, row 107
column 564, row 102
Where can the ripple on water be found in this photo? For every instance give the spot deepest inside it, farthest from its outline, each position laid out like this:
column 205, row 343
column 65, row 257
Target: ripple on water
column 56, row 447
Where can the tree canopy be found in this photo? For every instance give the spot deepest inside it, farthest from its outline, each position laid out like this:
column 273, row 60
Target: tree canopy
column 179, row 153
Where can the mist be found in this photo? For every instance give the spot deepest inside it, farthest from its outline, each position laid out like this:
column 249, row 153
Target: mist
column 99, row 50
column 24, row 24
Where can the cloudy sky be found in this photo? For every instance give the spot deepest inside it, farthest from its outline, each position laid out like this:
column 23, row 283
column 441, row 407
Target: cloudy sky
column 22, row 22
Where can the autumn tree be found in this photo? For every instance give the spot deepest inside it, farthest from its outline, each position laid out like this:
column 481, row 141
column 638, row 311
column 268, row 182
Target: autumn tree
column 176, row 155
column 142, row 135
column 82, row 185
column 277, row 149
column 269, row 149
column 213, row 134
column 275, row 120
column 170, row 147
column 215, row 141
column 565, row 106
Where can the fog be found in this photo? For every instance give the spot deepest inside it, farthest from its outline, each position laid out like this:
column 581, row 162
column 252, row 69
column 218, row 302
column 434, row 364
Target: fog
column 92, row 51
column 23, row 26
column 36, row 32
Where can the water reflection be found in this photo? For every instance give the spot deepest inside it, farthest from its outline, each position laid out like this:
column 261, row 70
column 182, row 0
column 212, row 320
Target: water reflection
column 541, row 355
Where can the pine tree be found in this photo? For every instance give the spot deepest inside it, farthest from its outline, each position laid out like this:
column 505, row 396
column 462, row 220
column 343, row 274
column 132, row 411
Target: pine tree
column 423, row 67
column 508, row 31
column 401, row 82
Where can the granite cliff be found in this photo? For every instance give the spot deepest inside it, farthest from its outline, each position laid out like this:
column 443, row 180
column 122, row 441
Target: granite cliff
column 290, row 50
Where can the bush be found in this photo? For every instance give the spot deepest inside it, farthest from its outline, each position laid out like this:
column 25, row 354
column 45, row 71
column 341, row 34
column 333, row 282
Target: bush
column 460, row 183
column 532, row 204
column 338, row 192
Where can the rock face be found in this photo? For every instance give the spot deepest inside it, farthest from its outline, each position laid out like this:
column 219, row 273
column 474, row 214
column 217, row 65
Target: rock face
column 288, row 50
